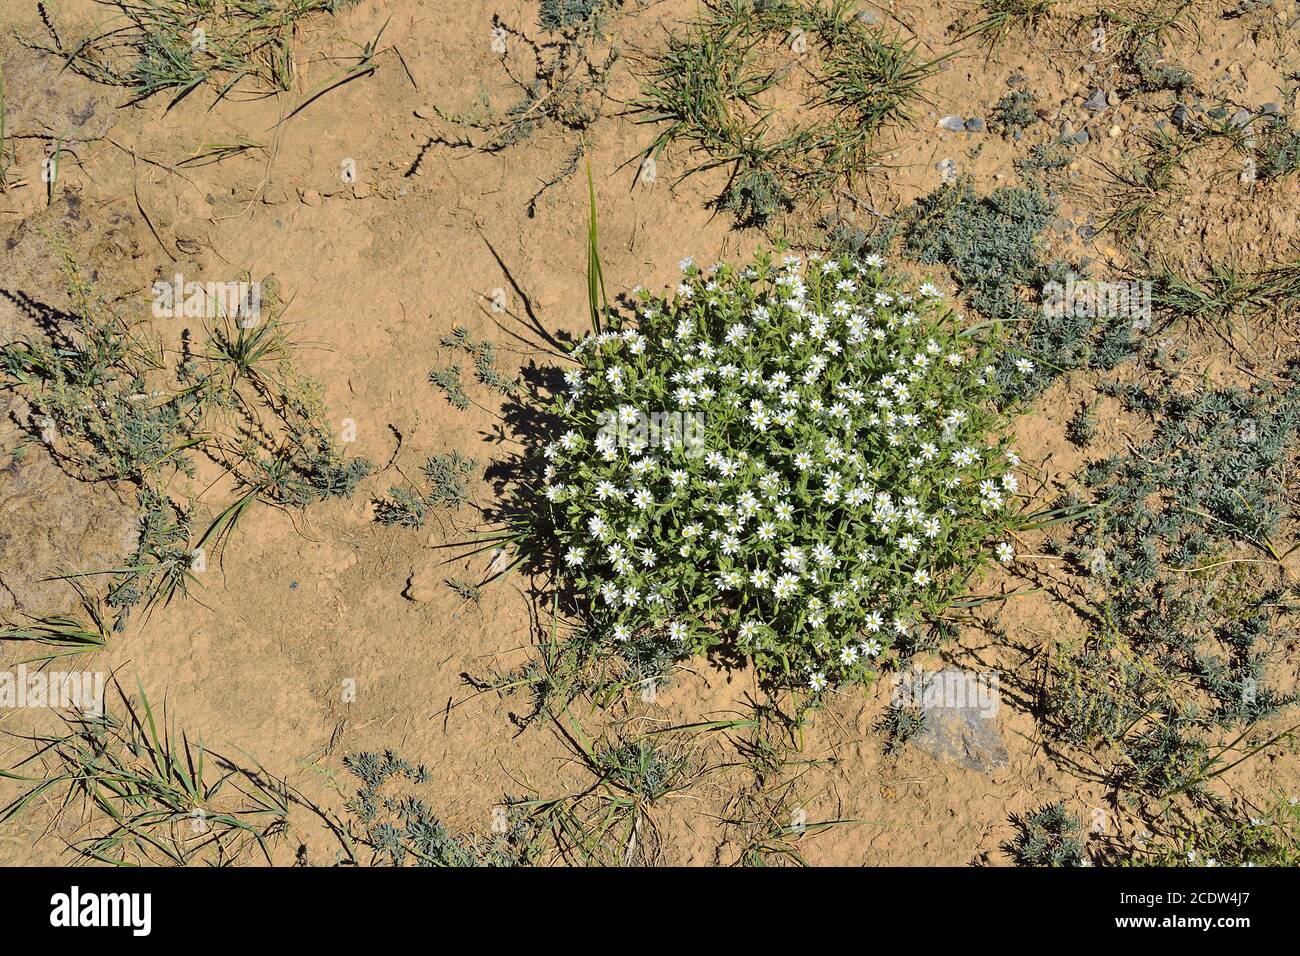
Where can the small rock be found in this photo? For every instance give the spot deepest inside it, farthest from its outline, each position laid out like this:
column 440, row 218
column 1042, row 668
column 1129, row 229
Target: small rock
column 869, row 18
column 960, row 721
column 1271, row 109
column 954, row 124
column 1219, row 112
column 1087, row 231
column 1114, row 131
column 1015, row 79
column 1180, row 117
column 975, row 125
column 1067, row 128
column 1018, row 135
column 947, row 170
column 1097, row 101
column 1241, row 118
column 1114, row 99
column 1081, row 138
column 309, row 197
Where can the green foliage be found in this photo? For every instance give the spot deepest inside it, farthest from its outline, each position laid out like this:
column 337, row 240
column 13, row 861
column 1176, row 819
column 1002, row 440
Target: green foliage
column 1184, row 637
column 994, row 20
column 448, row 477
column 111, row 404
column 899, row 724
column 1278, row 150
column 1081, row 429
column 448, row 379
column 1270, row 838
column 1015, row 111
column 708, row 90
column 401, row 829
column 844, row 482
column 1154, row 76
column 1048, row 836
column 158, row 47
column 484, row 356
column 991, row 246
column 561, row 14
column 989, row 243
column 146, row 795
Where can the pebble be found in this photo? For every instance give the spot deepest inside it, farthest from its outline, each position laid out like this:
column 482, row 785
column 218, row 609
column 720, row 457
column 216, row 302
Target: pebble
column 1097, row 101
column 1271, row 109
column 1241, row 118
column 1114, row 131
column 1081, row 138
column 1180, row 117
column 974, row 125
column 947, row 170
column 954, row 124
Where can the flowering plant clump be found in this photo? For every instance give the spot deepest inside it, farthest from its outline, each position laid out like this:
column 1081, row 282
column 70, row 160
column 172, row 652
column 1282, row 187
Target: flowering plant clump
column 794, row 465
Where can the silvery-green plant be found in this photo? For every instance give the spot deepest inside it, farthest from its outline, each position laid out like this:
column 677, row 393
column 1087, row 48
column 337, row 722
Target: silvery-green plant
column 836, row 471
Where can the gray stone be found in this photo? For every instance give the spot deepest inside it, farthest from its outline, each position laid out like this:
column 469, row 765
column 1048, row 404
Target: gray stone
column 1271, row 109
column 1180, row 117
column 960, row 718
column 1241, row 118
column 975, row 125
column 954, row 124
column 1081, row 138
column 1097, row 101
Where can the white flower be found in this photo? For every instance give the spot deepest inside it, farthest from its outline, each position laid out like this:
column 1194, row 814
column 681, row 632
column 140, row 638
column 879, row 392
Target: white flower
column 1006, row 554
column 642, row 499
column 621, row 632
column 817, row 682
column 785, row 586
column 678, row 632
column 574, row 557
column 921, row 577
